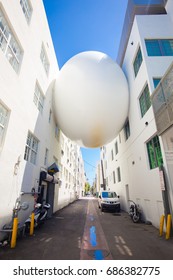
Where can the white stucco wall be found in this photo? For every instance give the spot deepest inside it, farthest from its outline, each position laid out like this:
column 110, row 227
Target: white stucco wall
column 138, row 181
column 16, row 94
column 169, row 8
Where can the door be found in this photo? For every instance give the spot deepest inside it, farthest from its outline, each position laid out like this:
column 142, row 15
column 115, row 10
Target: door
column 50, row 198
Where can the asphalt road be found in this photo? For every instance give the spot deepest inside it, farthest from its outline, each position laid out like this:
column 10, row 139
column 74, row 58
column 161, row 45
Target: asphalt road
column 81, row 231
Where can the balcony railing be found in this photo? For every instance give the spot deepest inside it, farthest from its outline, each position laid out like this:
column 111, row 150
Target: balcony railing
column 162, row 102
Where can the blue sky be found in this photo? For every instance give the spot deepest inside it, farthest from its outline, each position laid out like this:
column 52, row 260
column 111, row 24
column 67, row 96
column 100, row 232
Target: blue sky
column 84, row 25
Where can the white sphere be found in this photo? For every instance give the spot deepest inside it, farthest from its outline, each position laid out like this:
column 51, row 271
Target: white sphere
column 91, row 99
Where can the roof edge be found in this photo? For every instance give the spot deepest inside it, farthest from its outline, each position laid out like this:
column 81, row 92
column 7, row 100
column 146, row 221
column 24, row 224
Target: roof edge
column 131, row 11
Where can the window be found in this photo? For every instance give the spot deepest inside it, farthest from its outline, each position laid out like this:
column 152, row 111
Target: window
column 159, row 47
column 112, row 154
column 66, row 175
column 44, row 60
column 46, row 156
column 3, row 122
column 127, row 130
column 26, row 8
column 154, row 152
column 145, row 101
column 116, row 147
column 109, row 194
column 9, row 45
column 57, row 132
column 50, row 115
column 137, row 62
column 70, row 177
column 114, row 180
column 38, row 98
column 119, row 174
column 31, row 148
column 156, row 81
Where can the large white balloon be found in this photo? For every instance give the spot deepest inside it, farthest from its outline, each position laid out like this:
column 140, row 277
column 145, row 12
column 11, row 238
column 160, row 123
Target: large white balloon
column 91, row 99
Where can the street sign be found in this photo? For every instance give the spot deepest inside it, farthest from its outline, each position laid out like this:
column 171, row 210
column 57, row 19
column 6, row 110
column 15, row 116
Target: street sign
column 162, row 182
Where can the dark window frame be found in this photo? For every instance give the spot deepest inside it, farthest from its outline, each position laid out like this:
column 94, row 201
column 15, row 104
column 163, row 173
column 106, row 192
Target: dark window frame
column 114, row 177
column 154, row 152
column 161, row 48
column 145, row 100
column 118, row 174
column 112, row 154
column 127, row 129
column 116, row 147
column 156, row 81
column 137, row 61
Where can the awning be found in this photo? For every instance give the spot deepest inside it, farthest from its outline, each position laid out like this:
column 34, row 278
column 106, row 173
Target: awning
column 44, row 176
column 53, row 169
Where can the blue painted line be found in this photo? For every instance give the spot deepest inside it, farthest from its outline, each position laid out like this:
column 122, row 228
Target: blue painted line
column 93, row 239
column 98, row 255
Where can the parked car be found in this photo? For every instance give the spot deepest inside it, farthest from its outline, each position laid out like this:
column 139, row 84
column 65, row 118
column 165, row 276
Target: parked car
column 109, row 200
column 88, row 194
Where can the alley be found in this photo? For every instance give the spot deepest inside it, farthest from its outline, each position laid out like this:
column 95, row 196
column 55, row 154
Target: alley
column 82, row 231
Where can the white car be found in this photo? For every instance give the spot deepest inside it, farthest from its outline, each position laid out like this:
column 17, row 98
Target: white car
column 109, row 200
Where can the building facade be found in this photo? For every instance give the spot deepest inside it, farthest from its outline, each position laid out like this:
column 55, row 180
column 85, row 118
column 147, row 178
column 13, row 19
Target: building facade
column 132, row 161
column 30, row 140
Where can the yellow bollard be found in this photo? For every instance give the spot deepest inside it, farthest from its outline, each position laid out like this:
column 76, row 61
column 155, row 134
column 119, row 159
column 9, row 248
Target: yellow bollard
column 168, row 226
column 161, row 225
column 31, row 230
column 14, row 233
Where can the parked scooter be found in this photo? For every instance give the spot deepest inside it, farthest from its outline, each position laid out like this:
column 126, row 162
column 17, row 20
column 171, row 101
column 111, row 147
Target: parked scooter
column 40, row 215
column 135, row 212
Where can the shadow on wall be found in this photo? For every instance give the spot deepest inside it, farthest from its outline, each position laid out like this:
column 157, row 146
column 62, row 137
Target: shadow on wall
column 27, row 172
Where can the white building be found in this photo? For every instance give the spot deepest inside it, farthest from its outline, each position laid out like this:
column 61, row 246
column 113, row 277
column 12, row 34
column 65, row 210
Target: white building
column 71, row 175
column 132, row 160
column 30, row 140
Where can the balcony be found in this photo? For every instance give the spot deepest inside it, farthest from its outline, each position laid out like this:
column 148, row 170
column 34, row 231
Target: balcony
column 162, row 102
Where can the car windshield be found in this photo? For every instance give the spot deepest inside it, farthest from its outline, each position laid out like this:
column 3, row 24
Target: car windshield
column 109, row 194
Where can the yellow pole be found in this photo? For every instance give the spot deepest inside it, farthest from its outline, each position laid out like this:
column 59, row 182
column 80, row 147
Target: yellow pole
column 161, row 225
column 168, row 226
column 31, row 231
column 14, row 233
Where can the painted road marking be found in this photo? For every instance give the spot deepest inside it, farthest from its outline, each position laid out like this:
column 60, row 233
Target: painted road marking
column 122, row 246
column 94, row 244
column 49, row 239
